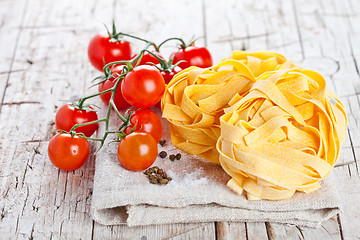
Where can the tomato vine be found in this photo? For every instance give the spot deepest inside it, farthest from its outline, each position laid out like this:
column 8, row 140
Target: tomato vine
column 128, row 65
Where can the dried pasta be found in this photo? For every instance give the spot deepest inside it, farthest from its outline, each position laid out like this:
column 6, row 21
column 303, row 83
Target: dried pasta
column 272, row 126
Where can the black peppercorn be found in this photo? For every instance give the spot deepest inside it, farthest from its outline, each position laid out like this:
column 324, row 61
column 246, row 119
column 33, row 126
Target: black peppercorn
column 163, row 154
column 162, row 142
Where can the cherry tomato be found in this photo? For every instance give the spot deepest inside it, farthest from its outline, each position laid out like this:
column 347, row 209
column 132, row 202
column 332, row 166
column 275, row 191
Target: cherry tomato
column 119, row 100
column 148, row 58
column 169, row 75
column 67, row 116
column 137, row 151
column 194, row 56
column 103, row 47
column 143, row 86
column 67, row 152
column 148, row 121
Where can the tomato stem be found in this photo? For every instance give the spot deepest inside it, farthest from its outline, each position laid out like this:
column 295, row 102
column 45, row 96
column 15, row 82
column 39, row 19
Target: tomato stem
column 129, row 66
column 92, row 139
column 82, row 100
column 117, row 111
column 138, row 38
column 87, row 123
column 106, row 67
column 183, row 44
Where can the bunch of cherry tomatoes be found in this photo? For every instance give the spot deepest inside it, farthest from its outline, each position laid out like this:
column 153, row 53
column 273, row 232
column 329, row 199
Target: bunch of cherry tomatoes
column 128, row 80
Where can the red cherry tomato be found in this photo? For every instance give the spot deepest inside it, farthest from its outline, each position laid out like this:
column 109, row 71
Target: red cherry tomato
column 143, row 86
column 103, row 47
column 148, row 121
column 194, row 56
column 119, row 100
column 169, row 75
column 67, row 116
column 148, row 58
column 137, row 151
column 67, row 152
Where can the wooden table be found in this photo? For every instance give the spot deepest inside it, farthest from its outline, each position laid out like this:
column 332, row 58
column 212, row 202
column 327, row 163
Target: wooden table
column 43, row 59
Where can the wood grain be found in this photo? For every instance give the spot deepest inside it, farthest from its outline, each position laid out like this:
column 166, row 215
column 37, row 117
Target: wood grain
column 43, row 60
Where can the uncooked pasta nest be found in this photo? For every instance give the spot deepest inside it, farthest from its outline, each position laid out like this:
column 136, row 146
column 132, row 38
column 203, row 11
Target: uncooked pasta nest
column 271, row 125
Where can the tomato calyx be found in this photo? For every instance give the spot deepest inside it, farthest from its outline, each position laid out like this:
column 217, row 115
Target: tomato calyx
column 108, row 74
column 85, row 107
column 119, row 36
column 114, row 35
column 72, row 133
column 190, row 44
column 127, row 123
column 168, row 66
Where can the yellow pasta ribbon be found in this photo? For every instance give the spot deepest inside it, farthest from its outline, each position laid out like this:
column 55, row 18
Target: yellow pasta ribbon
column 273, row 126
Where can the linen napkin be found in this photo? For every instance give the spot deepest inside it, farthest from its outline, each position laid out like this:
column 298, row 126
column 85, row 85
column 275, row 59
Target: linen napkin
column 197, row 193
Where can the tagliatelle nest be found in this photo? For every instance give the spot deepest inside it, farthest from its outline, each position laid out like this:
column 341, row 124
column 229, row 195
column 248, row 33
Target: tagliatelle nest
column 279, row 133
column 195, row 99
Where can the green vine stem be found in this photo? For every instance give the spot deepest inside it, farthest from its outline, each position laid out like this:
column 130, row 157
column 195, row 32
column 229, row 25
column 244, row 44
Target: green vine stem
column 82, row 100
column 116, row 36
column 183, row 44
column 140, row 39
column 85, row 124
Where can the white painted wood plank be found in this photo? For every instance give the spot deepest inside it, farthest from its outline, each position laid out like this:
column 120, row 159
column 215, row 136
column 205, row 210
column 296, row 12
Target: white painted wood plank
column 11, row 17
column 67, row 13
column 350, row 214
column 171, row 231
column 230, row 230
column 352, row 104
column 256, row 231
column 348, row 179
column 328, row 230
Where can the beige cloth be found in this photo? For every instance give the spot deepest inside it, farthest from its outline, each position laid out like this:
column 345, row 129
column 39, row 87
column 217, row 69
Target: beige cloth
column 197, row 193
